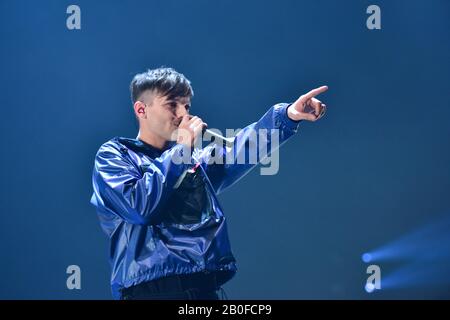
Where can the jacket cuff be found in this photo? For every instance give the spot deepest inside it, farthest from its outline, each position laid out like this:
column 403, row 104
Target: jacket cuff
column 287, row 122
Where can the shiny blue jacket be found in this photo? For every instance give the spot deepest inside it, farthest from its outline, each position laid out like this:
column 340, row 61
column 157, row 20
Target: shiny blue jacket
column 158, row 226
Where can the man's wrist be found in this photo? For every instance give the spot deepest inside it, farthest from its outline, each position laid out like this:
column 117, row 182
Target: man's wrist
column 283, row 120
column 288, row 114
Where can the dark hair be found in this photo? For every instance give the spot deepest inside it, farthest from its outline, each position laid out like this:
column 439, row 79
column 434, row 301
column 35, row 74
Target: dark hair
column 165, row 81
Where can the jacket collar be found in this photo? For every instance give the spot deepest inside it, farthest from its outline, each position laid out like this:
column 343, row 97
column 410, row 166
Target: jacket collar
column 138, row 145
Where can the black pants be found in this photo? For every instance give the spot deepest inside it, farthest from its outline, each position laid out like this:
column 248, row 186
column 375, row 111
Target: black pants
column 196, row 286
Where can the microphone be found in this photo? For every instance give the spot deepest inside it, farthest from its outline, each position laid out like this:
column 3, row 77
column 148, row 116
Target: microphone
column 217, row 136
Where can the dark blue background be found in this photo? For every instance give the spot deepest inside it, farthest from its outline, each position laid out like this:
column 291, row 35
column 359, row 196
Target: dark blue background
column 375, row 168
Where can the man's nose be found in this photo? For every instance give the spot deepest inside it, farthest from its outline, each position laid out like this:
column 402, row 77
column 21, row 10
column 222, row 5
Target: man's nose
column 181, row 111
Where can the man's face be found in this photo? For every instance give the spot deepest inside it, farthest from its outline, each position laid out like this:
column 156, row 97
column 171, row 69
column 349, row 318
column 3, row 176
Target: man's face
column 162, row 115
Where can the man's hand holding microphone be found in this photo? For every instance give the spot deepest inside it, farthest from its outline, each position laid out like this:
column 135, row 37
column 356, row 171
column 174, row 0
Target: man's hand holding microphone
column 190, row 129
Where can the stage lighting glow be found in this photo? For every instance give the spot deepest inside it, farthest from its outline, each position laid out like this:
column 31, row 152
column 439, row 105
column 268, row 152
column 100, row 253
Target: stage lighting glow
column 430, row 242
column 421, row 257
column 366, row 257
column 370, row 287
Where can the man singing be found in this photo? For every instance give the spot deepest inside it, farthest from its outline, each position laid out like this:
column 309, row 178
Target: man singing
column 168, row 233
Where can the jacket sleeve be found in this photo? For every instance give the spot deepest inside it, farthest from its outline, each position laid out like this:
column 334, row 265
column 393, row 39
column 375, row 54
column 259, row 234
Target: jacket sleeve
column 274, row 124
column 133, row 194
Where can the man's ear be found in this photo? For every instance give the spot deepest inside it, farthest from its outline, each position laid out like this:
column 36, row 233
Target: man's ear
column 139, row 109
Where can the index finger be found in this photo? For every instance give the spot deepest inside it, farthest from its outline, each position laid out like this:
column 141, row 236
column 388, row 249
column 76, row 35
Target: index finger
column 313, row 93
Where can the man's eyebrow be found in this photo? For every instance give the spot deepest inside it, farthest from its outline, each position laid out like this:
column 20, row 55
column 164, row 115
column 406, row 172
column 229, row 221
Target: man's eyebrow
column 188, row 103
column 170, row 101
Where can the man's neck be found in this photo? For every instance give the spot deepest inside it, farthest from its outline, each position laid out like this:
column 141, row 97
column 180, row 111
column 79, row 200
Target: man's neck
column 153, row 140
